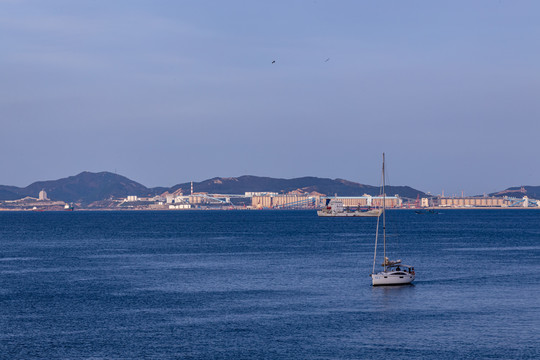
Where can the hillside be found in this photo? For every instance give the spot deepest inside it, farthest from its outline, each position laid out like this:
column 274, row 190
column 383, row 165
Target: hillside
column 85, row 187
column 326, row 186
column 532, row 192
column 88, row 187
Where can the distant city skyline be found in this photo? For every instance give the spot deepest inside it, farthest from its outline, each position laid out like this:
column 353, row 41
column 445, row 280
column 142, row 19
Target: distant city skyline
column 167, row 92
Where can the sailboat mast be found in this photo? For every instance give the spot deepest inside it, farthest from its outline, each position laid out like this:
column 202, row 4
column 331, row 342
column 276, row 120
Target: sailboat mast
column 384, row 214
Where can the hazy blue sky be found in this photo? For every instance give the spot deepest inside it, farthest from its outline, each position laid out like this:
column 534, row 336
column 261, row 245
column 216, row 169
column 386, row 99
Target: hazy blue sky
column 170, row 91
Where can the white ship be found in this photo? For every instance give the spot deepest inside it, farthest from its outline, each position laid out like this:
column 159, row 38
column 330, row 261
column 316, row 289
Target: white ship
column 335, row 208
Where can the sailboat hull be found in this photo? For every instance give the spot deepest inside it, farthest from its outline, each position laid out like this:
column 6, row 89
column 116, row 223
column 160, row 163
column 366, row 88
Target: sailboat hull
column 383, row 278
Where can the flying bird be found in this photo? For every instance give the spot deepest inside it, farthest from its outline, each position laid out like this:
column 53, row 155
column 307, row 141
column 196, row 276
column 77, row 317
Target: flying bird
column 273, row 61
column 327, row 60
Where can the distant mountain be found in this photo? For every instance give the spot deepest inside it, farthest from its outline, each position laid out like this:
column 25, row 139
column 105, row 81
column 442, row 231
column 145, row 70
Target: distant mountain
column 326, row 186
column 88, row 187
column 9, row 193
column 85, row 187
column 532, row 192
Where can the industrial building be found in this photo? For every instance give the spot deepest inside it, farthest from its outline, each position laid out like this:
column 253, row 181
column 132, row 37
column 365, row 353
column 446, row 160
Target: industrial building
column 269, row 200
column 486, row 202
column 310, row 202
column 369, row 201
column 473, row 202
column 285, row 201
column 43, row 195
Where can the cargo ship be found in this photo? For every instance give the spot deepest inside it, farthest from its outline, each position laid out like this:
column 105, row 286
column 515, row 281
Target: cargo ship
column 335, row 208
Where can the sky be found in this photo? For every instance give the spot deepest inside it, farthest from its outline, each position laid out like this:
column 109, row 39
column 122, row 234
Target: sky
column 166, row 92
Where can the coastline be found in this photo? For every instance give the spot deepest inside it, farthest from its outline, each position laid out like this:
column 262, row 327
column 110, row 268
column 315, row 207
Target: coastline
column 253, row 209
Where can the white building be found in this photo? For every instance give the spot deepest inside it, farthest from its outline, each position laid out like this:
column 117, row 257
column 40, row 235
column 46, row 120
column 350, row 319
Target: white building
column 43, row 195
column 180, row 207
column 260, row 193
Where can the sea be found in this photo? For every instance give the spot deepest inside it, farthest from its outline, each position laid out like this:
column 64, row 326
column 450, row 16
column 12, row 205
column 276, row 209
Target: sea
column 267, row 285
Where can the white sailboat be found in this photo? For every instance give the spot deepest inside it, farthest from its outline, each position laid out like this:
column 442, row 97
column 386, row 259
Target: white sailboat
column 394, row 272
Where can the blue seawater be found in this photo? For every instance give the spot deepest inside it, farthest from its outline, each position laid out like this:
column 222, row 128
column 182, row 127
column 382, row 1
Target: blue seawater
column 267, row 285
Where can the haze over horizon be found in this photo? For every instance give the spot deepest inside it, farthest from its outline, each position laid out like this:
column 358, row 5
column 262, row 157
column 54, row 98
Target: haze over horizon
column 166, row 92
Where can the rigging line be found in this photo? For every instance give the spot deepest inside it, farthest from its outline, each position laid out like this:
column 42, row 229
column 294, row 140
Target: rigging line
column 384, row 214
column 378, row 221
column 376, row 238
column 394, row 225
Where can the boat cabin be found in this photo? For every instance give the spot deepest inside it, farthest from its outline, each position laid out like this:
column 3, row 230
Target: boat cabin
column 335, row 206
column 399, row 269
